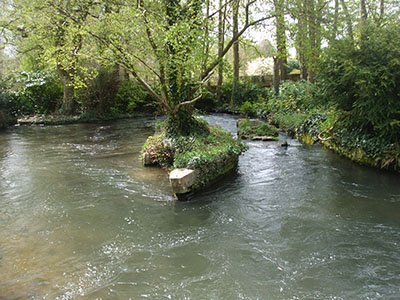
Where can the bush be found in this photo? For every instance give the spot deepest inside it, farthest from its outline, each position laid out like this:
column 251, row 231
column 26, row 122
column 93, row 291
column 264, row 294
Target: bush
column 132, row 97
column 39, row 93
column 248, row 109
column 251, row 128
column 362, row 80
column 246, row 91
column 293, row 96
column 293, row 65
column 99, row 96
column 197, row 152
column 5, row 107
column 288, row 121
column 192, row 151
column 5, row 98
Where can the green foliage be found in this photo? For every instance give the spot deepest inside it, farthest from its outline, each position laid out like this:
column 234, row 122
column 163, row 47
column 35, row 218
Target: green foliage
column 192, row 151
column 293, row 65
column 311, row 127
column 365, row 148
column 5, row 106
column 293, row 96
column 246, row 91
column 160, row 149
column 248, row 109
column 289, row 109
column 363, row 80
column 288, row 121
column 39, row 93
column 100, row 94
column 250, row 128
column 183, row 123
column 132, row 97
column 202, row 151
column 5, row 98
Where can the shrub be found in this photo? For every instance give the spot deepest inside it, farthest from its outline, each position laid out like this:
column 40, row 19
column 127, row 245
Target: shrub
column 293, row 96
column 5, row 98
column 200, row 151
column 5, row 107
column 248, row 109
column 99, row 96
column 40, row 92
column 251, row 128
column 288, row 121
column 362, row 79
column 132, row 97
column 293, row 65
column 246, row 91
column 192, row 151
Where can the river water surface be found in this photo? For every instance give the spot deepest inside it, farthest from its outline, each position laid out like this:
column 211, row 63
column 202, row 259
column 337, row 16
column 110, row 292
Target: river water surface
column 80, row 218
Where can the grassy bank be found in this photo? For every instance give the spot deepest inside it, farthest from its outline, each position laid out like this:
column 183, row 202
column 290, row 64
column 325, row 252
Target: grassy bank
column 302, row 112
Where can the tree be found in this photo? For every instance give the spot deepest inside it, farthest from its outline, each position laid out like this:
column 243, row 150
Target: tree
column 236, row 60
column 160, row 43
column 221, row 43
column 280, row 60
column 171, row 31
column 51, row 39
column 361, row 78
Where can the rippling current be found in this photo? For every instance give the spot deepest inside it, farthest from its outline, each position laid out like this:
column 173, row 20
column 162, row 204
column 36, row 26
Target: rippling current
column 80, row 218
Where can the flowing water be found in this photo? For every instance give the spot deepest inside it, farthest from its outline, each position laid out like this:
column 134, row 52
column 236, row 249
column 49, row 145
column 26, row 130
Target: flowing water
column 80, row 218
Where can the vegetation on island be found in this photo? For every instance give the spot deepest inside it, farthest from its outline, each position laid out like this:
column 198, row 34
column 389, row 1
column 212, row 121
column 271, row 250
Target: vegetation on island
column 211, row 151
column 192, row 151
column 256, row 129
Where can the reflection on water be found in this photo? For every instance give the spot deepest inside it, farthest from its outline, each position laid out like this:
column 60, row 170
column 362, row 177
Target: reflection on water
column 80, row 218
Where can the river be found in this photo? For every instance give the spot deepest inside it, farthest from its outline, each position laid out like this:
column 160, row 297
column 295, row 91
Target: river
column 80, row 218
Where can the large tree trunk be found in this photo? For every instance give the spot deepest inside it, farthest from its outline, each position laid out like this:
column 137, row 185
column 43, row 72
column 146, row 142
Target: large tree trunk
column 335, row 22
column 68, row 101
column 206, row 44
column 281, row 59
column 349, row 23
column 276, row 75
column 221, row 45
column 235, row 29
column 363, row 10
column 302, row 38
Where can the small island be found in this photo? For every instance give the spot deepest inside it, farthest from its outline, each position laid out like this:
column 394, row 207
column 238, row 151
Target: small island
column 194, row 160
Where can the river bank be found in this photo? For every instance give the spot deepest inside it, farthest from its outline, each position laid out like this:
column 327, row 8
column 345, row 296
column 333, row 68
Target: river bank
column 301, row 111
column 363, row 149
column 59, row 119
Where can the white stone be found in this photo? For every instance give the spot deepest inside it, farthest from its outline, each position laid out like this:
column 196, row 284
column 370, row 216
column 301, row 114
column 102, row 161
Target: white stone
column 181, row 180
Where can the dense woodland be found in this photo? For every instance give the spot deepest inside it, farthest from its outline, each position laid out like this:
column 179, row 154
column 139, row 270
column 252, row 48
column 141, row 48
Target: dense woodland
column 115, row 58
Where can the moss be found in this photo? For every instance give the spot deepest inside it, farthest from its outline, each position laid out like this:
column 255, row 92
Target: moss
column 389, row 160
column 252, row 128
